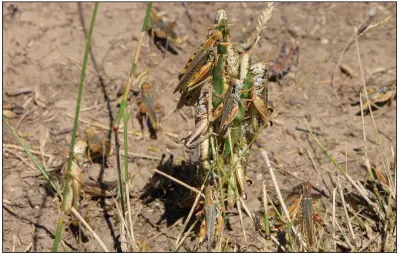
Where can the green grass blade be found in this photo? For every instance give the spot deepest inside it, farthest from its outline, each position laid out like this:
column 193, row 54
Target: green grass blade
column 31, row 156
column 134, row 66
column 76, row 121
column 125, row 146
column 58, row 233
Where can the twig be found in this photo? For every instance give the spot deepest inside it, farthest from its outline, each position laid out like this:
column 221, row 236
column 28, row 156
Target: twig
column 333, row 218
column 19, row 91
column 246, row 209
column 135, row 155
column 371, row 113
column 190, row 214
column 77, row 63
column 183, row 115
column 346, row 212
column 179, row 182
column 124, row 224
column 187, row 11
column 305, row 130
column 28, row 247
column 311, row 159
column 266, row 210
column 162, row 232
column 23, row 117
column 369, row 242
column 23, row 160
column 345, row 237
column 187, row 233
column 266, row 159
column 77, row 215
column 242, row 223
column 129, row 214
column 93, row 107
column 363, row 26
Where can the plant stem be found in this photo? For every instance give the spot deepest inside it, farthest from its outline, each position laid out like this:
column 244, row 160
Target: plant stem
column 75, row 123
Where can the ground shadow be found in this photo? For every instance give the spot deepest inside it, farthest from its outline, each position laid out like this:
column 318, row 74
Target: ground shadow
column 176, row 198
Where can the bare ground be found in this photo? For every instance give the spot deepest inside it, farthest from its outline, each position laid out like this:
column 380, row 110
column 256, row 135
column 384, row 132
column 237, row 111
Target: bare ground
column 43, row 45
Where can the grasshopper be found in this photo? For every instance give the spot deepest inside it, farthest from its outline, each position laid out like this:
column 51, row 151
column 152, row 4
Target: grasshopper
column 259, row 96
column 307, row 212
column 162, row 32
column 240, row 171
column 196, row 71
column 199, row 64
column 213, row 222
column 232, row 66
column 232, row 104
column 11, row 110
column 201, row 122
column 72, row 187
column 299, row 200
column 284, row 62
column 97, row 145
column 148, row 109
column 378, row 97
column 249, row 37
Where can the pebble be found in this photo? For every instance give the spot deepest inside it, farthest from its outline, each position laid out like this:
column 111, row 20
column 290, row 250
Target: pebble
column 372, row 12
column 324, row 41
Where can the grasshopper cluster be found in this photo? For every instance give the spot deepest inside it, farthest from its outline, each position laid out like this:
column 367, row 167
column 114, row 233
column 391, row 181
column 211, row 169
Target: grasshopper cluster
column 230, row 96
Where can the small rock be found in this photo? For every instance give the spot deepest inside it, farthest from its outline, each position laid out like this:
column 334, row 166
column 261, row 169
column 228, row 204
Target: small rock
column 42, row 191
column 372, row 12
column 324, row 41
column 259, row 176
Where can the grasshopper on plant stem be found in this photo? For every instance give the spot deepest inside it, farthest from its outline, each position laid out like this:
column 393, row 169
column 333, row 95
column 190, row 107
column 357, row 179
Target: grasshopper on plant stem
column 199, row 64
column 233, row 107
column 300, row 201
column 213, row 218
column 259, row 96
column 72, row 186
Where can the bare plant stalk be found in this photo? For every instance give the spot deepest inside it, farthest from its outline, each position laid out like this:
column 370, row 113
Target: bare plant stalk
column 242, row 223
column 384, row 162
column 87, row 226
column 129, row 213
column 179, row 182
column 266, row 210
column 190, row 214
column 333, row 218
column 122, row 106
column 341, row 193
column 280, row 197
column 185, row 235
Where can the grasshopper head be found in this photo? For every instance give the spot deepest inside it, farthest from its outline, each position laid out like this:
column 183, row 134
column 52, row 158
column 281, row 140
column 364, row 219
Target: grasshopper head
column 306, row 189
column 220, row 15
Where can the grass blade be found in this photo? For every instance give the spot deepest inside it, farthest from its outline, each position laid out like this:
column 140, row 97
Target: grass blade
column 75, row 123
